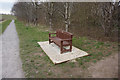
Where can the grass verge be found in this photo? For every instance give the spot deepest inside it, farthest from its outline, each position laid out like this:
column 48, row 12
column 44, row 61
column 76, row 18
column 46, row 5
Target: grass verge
column 4, row 25
column 7, row 17
column 36, row 64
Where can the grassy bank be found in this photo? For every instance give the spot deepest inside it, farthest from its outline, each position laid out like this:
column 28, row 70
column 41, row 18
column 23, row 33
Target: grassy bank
column 4, row 25
column 36, row 64
column 7, row 17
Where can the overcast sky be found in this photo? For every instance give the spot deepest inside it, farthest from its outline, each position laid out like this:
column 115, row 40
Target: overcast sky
column 6, row 6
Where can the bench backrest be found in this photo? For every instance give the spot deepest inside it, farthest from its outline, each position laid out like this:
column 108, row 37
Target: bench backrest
column 63, row 35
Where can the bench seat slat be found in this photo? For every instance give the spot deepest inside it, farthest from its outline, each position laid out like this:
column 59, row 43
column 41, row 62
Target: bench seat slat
column 58, row 41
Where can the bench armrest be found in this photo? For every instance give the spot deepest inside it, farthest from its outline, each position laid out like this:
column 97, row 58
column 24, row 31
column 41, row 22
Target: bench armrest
column 50, row 34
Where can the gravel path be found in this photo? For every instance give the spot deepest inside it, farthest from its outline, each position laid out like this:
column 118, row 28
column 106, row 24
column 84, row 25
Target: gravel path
column 11, row 62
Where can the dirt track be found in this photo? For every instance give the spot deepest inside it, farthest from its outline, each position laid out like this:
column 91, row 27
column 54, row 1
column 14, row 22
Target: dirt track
column 106, row 68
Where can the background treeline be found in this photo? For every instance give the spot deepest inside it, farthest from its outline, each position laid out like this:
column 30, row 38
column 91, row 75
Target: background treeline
column 95, row 20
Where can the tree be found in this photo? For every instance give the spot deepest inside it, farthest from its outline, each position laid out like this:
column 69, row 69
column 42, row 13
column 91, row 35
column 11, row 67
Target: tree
column 105, row 12
column 65, row 10
column 50, row 10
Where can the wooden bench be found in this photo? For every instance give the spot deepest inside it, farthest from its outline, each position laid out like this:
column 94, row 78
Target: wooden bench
column 61, row 39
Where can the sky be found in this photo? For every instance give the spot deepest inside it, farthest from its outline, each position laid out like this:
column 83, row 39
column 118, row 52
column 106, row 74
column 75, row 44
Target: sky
column 6, row 6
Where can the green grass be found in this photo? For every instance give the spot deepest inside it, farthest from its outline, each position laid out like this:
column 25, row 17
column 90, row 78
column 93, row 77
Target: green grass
column 36, row 63
column 7, row 17
column 4, row 25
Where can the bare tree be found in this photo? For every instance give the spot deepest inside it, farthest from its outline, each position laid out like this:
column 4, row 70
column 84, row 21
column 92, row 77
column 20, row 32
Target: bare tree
column 65, row 11
column 50, row 10
column 106, row 11
column 80, row 15
column 20, row 8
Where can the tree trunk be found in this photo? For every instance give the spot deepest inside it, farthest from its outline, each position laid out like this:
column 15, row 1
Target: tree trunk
column 50, row 23
column 66, row 27
column 66, row 16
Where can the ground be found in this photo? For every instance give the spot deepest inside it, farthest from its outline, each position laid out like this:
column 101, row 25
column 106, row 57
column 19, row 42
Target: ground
column 36, row 63
column 7, row 16
column 106, row 68
column 102, row 61
column 3, row 25
column 11, row 62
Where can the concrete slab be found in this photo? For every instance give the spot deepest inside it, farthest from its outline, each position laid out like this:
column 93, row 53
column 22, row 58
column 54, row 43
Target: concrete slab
column 53, row 52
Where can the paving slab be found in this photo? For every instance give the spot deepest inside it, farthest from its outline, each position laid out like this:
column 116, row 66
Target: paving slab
column 53, row 52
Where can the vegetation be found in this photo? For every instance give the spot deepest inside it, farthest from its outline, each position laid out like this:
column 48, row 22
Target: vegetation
column 87, row 21
column 36, row 63
column 7, row 17
column 6, row 21
column 94, row 20
column 4, row 25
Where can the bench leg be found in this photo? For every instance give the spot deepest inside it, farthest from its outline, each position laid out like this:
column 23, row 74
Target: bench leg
column 49, row 41
column 61, row 49
column 70, row 46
